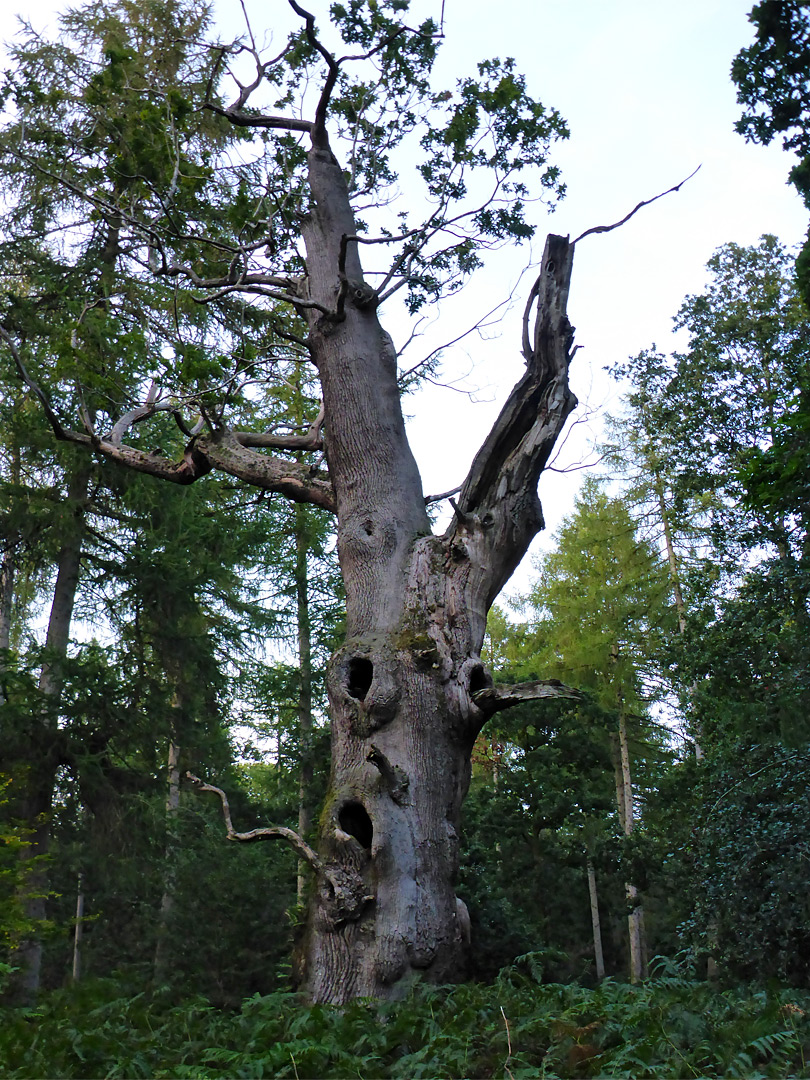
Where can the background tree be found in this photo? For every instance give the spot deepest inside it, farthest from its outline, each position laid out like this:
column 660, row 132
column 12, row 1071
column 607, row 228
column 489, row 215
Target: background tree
column 740, row 667
column 771, row 80
column 605, row 599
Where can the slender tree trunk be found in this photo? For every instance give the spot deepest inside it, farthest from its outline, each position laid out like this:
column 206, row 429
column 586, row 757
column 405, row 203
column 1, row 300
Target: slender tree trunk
column 674, row 570
column 624, row 802
column 7, row 573
column 596, row 925
column 304, row 690
column 44, row 755
column 163, row 946
column 77, row 929
column 675, row 577
column 8, row 567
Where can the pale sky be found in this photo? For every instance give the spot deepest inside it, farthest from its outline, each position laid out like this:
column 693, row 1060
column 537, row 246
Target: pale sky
column 645, row 88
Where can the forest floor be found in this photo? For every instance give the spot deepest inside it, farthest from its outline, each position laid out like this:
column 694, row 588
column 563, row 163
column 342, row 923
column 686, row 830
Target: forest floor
column 513, row 1028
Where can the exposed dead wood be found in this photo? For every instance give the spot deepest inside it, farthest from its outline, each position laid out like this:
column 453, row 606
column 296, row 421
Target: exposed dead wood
column 494, row 699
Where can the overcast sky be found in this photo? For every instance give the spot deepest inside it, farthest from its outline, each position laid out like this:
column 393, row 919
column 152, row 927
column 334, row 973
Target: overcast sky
column 645, row 88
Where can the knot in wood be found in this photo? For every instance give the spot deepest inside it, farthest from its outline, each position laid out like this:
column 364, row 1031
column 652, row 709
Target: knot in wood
column 363, row 295
column 344, row 893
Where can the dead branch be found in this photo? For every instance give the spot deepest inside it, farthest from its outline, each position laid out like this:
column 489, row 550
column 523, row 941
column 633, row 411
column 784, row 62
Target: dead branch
column 346, row 892
column 444, row 495
column 494, row 699
column 276, row 832
column 310, row 440
column 318, row 128
column 646, row 202
column 498, row 511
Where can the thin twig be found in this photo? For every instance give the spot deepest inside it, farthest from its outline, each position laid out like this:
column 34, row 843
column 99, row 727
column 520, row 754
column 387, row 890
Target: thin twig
column 506, row 1068
column 646, row 202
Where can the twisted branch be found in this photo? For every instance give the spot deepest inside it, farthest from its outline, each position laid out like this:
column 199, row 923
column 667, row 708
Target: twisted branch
column 275, row 832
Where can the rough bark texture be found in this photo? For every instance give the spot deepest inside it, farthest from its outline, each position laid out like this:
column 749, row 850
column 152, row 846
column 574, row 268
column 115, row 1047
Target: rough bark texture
column 306, row 770
column 402, row 686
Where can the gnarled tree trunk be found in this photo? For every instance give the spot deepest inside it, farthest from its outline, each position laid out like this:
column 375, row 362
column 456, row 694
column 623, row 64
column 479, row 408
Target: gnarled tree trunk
column 402, row 688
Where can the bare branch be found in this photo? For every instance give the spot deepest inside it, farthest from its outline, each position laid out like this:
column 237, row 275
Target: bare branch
column 276, row 832
column 311, row 440
column 444, row 495
column 318, row 128
column 258, row 120
column 646, row 202
column 498, row 510
column 347, row 894
column 223, row 450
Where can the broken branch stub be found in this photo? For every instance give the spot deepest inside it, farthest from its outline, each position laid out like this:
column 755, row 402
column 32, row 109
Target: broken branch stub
column 494, row 699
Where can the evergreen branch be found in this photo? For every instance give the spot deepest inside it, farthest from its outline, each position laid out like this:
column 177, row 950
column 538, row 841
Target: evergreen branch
column 34, row 387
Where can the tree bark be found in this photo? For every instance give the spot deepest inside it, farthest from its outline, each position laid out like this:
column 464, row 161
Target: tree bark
column 7, row 571
column 675, row 577
column 624, row 802
column 162, row 948
column 77, row 929
column 596, row 925
column 306, row 770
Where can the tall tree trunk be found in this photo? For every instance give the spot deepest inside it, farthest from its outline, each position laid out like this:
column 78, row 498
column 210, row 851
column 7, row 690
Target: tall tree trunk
column 624, row 803
column 596, row 925
column 36, row 802
column 77, row 929
column 163, row 946
column 675, row 577
column 7, row 572
column 8, row 566
column 306, row 771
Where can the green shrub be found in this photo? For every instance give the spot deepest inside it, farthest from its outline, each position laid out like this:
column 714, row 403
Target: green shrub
column 515, row 1028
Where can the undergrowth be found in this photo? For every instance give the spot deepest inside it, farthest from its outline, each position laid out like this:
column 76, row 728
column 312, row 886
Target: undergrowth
column 667, row 1027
